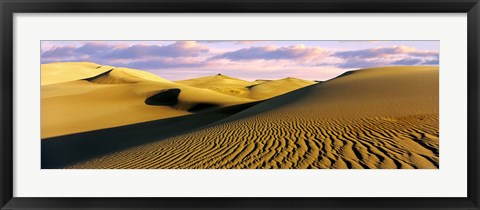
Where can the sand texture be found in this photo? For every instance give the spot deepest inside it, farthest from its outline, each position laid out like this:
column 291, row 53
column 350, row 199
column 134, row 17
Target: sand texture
column 373, row 118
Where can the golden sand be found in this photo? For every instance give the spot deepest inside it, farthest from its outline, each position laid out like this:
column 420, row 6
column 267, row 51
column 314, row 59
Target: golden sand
column 109, row 97
column 53, row 73
column 268, row 89
column 373, row 118
column 256, row 90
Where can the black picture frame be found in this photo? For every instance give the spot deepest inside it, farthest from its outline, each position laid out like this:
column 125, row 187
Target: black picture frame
column 10, row 7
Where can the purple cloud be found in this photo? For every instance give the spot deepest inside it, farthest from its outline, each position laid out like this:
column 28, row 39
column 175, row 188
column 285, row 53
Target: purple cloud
column 94, row 49
column 367, row 53
column 96, row 52
column 59, row 52
column 88, row 52
column 178, row 49
column 360, row 63
column 386, row 56
column 162, row 63
column 273, row 53
column 431, row 62
column 408, row 61
column 384, row 51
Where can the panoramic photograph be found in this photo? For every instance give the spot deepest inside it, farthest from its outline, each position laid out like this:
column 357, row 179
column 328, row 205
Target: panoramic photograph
column 240, row 104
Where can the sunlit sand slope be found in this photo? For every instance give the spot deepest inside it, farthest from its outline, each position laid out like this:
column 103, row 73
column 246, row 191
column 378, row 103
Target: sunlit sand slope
column 59, row 72
column 53, row 73
column 118, row 96
column 220, row 83
column 268, row 89
column 257, row 90
column 373, row 118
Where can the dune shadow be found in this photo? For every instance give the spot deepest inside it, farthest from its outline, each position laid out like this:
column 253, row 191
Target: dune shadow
column 92, row 79
column 202, row 107
column 62, row 151
column 168, row 97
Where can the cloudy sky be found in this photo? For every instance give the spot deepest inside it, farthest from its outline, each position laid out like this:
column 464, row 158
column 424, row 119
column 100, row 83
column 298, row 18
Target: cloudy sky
column 311, row 60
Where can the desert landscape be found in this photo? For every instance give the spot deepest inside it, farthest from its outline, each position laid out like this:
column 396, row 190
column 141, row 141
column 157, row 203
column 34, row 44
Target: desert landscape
column 96, row 116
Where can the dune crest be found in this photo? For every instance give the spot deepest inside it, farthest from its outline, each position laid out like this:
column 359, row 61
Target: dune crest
column 53, row 73
column 220, row 83
column 256, row 90
column 373, row 118
column 268, row 89
column 125, row 75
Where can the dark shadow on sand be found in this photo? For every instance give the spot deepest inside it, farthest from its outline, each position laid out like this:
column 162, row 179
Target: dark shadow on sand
column 62, row 151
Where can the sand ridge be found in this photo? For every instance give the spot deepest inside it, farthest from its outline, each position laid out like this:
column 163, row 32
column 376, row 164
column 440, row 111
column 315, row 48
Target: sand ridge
column 58, row 72
column 373, row 118
column 256, row 90
column 268, row 89
column 220, row 83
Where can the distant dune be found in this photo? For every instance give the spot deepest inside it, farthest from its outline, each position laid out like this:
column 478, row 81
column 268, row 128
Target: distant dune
column 220, row 83
column 256, row 90
column 373, row 118
column 269, row 89
column 78, row 97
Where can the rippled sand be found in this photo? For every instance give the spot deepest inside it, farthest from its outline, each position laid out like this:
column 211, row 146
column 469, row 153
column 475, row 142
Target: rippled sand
column 373, row 118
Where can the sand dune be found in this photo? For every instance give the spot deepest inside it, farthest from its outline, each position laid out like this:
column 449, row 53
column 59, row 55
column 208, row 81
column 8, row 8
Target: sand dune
column 116, row 97
column 268, row 89
column 218, row 80
column 125, row 76
column 372, row 118
column 61, row 151
column 257, row 90
column 220, row 83
column 53, row 73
